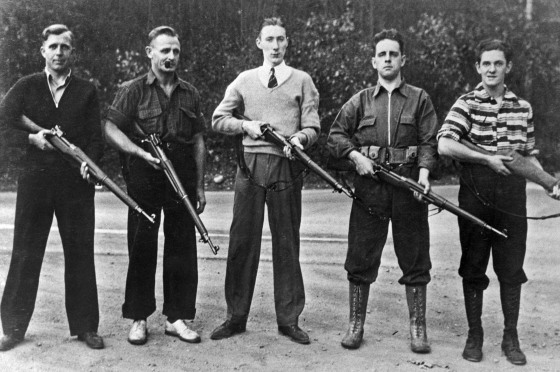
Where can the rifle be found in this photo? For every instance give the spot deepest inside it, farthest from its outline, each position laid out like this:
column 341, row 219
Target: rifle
column 386, row 174
column 157, row 151
column 522, row 167
column 271, row 136
column 72, row 151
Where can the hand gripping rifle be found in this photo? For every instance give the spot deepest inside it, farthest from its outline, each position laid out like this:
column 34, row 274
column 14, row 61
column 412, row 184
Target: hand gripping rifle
column 72, row 151
column 522, row 167
column 271, row 136
column 386, row 174
column 156, row 150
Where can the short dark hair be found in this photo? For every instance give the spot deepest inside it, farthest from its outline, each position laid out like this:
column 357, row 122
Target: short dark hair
column 494, row 44
column 272, row 21
column 57, row 29
column 391, row 34
column 161, row 30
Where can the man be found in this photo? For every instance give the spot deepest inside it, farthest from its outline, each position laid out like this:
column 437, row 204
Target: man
column 49, row 185
column 286, row 99
column 160, row 102
column 393, row 123
column 497, row 120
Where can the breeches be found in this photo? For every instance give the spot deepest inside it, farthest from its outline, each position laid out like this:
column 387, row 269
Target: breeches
column 508, row 195
column 368, row 233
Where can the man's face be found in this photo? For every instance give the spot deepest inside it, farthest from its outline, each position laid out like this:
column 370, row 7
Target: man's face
column 164, row 50
column 493, row 68
column 57, row 51
column 273, row 43
column 388, row 59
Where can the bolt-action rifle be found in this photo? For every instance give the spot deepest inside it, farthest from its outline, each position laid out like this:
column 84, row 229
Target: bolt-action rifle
column 386, row 174
column 73, row 152
column 271, row 136
column 156, row 149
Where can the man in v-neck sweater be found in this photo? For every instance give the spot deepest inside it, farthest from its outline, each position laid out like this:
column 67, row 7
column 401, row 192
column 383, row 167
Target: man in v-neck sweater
column 48, row 185
column 286, row 99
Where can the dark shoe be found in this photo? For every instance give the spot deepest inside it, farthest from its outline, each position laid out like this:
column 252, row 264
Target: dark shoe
column 295, row 333
column 511, row 349
column 358, row 306
column 227, row 329
column 92, row 339
column 473, row 307
column 416, row 299
column 473, row 348
column 8, row 342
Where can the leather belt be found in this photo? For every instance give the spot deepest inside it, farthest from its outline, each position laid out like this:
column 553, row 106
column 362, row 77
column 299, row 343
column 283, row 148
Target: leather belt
column 391, row 155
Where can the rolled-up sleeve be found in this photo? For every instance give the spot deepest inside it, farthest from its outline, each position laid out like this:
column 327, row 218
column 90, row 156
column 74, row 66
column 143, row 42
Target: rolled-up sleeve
column 123, row 108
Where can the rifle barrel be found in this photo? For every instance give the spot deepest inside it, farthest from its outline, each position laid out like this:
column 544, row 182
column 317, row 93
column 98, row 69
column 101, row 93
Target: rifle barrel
column 66, row 147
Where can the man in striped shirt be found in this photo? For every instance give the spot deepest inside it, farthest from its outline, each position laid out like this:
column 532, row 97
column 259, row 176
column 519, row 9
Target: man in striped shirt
column 495, row 119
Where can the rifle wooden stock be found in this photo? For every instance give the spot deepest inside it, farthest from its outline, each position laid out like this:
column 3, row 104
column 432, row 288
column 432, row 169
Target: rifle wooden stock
column 395, row 179
column 72, row 151
column 271, row 136
column 521, row 167
column 157, row 151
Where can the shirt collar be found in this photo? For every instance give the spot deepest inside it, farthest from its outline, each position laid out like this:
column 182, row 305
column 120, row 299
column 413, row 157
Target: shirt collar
column 66, row 78
column 401, row 88
column 151, row 78
column 281, row 68
column 482, row 95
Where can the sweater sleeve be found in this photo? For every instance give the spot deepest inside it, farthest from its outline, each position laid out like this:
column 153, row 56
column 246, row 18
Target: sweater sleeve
column 222, row 119
column 310, row 123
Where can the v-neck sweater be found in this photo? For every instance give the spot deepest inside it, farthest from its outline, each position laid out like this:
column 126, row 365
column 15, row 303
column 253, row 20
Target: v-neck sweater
column 290, row 108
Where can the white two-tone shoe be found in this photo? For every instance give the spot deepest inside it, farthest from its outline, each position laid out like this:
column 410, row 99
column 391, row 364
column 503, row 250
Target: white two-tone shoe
column 138, row 334
column 181, row 329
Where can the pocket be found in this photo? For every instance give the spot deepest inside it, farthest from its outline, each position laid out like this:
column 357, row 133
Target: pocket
column 408, row 132
column 366, row 133
column 187, row 123
column 148, row 119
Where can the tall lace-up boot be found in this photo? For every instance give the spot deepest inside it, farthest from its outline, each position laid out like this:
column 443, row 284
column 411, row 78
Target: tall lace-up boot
column 359, row 294
column 416, row 299
column 510, row 296
column 473, row 307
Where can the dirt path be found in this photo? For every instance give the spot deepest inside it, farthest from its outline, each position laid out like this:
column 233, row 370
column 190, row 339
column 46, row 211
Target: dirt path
column 48, row 346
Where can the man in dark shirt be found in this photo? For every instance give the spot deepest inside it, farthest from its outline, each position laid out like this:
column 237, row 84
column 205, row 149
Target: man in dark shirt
column 160, row 102
column 392, row 123
column 48, row 185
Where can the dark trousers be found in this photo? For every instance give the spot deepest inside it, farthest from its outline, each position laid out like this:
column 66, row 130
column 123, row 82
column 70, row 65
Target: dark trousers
column 284, row 218
column 40, row 195
column 507, row 194
column 151, row 189
column 367, row 234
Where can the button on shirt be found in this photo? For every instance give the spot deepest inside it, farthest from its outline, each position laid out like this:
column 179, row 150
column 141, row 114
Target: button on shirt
column 141, row 105
column 57, row 90
column 282, row 73
column 492, row 126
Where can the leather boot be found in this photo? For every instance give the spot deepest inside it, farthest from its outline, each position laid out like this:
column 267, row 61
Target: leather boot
column 510, row 296
column 473, row 307
column 416, row 299
column 358, row 295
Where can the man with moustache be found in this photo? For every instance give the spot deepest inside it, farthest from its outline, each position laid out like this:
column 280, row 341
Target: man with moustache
column 160, row 102
column 287, row 99
column 393, row 123
column 495, row 119
column 49, row 185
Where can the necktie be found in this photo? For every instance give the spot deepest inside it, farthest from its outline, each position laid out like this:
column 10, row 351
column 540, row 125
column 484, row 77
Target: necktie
column 272, row 82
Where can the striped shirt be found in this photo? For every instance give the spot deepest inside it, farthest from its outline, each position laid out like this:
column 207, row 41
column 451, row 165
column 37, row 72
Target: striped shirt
column 492, row 126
